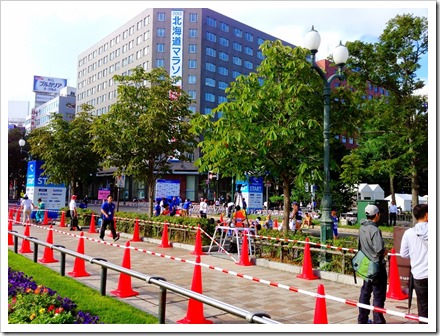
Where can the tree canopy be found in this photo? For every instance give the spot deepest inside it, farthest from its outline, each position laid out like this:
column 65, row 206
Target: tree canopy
column 147, row 126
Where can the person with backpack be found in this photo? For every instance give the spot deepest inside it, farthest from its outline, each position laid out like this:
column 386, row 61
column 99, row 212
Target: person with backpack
column 371, row 243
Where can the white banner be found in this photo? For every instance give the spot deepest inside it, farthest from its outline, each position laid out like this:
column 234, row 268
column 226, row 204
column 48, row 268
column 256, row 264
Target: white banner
column 176, row 45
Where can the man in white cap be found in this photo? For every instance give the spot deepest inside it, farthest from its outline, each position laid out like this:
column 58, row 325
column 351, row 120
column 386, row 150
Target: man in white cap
column 373, row 246
column 73, row 214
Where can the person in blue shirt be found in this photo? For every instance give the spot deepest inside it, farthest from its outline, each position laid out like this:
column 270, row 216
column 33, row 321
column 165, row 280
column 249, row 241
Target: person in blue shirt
column 335, row 220
column 39, row 215
column 185, row 208
column 157, row 209
column 108, row 212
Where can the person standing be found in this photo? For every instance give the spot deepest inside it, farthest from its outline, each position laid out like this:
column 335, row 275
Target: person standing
column 26, row 206
column 157, row 209
column 203, row 208
column 108, row 212
column 372, row 245
column 393, row 213
column 86, row 201
column 335, row 221
column 414, row 245
column 39, row 216
column 296, row 218
column 73, row 214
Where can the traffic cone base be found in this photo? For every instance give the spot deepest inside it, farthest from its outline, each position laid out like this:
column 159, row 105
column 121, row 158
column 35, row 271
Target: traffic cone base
column 10, row 238
column 244, row 255
column 45, row 218
column 198, row 245
column 165, row 243
column 394, row 287
column 124, row 285
column 307, row 271
column 48, row 252
column 320, row 307
column 92, row 228
column 79, row 267
column 26, row 244
column 63, row 219
column 136, row 237
column 194, row 314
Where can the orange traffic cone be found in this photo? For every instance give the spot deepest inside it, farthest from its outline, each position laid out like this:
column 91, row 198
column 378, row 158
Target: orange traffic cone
column 26, row 244
column 275, row 224
column 307, row 271
column 124, row 286
column 79, row 267
column 10, row 238
column 17, row 217
column 45, row 219
column 244, row 256
column 320, row 307
column 63, row 219
column 195, row 314
column 394, row 288
column 48, row 252
column 11, row 213
column 198, row 245
column 165, row 243
column 92, row 228
column 136, row 237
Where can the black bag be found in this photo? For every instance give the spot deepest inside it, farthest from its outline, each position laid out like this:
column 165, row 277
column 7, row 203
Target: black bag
column 68, row 213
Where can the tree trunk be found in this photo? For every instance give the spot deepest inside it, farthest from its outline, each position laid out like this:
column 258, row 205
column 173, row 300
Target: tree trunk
column 414, row 190
column 392, row 191
column 286, row 212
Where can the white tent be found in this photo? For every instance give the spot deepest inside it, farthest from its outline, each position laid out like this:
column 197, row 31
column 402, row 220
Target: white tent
column 404, row 201
column 370, row 192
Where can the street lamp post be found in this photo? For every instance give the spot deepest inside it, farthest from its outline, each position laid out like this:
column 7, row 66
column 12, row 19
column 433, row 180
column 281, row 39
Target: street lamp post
column 21, row 143
column 340, row 56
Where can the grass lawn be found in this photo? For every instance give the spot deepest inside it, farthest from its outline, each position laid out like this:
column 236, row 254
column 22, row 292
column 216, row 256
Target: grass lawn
column 109, row 309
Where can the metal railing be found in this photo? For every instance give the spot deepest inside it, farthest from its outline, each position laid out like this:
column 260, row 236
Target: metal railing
column 163, row 284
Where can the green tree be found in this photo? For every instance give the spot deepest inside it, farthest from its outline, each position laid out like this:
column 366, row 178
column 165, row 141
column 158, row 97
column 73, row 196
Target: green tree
column 16, row 160
column 393, row 137
column 148, row 124
column 271, row 123
column 65, row 147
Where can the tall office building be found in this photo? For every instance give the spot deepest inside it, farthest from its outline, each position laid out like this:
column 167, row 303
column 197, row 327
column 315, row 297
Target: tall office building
column 207, row 49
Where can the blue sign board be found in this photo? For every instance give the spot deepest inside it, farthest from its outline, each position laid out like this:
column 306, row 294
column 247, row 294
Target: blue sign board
column 252, row 191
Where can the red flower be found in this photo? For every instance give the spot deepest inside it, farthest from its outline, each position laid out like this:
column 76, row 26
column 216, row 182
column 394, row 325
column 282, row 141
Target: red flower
column 51, row 307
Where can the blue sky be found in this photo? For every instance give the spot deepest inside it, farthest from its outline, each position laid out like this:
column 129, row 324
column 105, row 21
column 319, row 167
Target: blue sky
column 45, row 38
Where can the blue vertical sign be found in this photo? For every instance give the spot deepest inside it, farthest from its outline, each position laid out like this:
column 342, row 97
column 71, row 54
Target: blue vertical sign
column 53, row 195
column 176, row 59
column 252, row 192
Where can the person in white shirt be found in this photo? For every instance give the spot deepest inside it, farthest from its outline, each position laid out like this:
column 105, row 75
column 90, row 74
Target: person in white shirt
column 73, row 214
column 203, row 208
column 393, row 213
column 27, row 206
column 414, row 245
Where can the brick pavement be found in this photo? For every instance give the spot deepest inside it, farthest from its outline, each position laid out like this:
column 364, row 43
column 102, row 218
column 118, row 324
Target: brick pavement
column 282, row 305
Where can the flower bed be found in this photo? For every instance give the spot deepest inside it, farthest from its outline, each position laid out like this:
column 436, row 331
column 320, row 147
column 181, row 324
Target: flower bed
column 36, row 304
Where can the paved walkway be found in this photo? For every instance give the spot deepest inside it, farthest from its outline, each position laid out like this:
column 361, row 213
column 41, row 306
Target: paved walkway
column 288, row 307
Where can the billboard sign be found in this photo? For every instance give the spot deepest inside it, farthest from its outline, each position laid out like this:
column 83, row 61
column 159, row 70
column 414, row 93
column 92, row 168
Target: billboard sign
column 49, row 84
column 53, row 195
column 252, row 192
column 167, row 188
column 176, row 45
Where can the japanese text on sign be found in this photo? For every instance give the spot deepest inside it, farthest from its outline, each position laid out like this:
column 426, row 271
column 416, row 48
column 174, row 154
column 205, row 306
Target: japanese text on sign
column 176, row 44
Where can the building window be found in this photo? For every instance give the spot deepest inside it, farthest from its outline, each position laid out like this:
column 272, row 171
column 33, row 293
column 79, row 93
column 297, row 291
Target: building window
column 146, row 50
column 351, row 141
column 161, row 16
column 147, row 20
column 224, row 27
column 223, row 56
column 223, row 41
column 192, row 63
column 249, row 37
column 192, row 94
column 210, row 82
column 211, row 52
column 223, row 71
column 235, row 74
column 208, row 110
column 139, row 25
column 237, row 46
column 193, row 32
column 146, row 35
column 147, row 65
column 210, row 67
column 160, row 32
column 192, row 79
column 249, row 51
column 238, row 32
column 344, row 139
column 237, row 60
column 222, row 85
column 221, row 99
column 131, row 31
column 160, row 63
column 248, row 65
column 192, row 109
column 160, row 47
column 193, row 17
column 211, row 21
column 211, row 37
column 260, row 41
column 192, row 48
column 209, row 97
